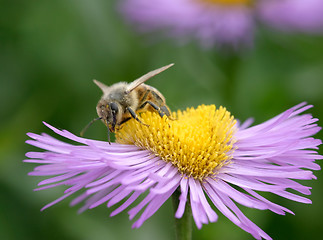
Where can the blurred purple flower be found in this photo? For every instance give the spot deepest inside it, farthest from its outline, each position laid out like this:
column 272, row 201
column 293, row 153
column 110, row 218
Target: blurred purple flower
column 263, row 158
column 218, row 22
column 293, row 15
column 208, row 23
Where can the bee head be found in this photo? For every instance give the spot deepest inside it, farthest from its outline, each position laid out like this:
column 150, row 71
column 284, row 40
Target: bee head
column 109, row 113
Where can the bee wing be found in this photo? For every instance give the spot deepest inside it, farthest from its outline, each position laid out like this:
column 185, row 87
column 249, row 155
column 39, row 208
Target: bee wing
column 102, row 86
column 145, row 77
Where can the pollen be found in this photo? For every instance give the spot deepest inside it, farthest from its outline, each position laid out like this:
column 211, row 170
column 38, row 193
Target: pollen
column 196, row 141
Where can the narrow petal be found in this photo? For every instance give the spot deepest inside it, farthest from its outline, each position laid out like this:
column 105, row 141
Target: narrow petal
column 182, row 198
column 236, row 195
column 126, row 204
column 156, row 202
column 212, row 216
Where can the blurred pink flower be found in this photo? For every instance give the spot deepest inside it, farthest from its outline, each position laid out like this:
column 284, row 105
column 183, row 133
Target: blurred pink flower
column 218, row 22
column 293, row 15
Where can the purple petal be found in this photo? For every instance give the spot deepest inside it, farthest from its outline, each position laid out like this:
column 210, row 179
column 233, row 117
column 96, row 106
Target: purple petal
column 182, row 198
column 293, row 15
column 182, row 20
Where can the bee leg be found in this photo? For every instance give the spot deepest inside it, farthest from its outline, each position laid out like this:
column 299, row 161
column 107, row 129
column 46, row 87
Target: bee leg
column 125, row 120
column 134, row 115
column 165, row 110
column 161, row 110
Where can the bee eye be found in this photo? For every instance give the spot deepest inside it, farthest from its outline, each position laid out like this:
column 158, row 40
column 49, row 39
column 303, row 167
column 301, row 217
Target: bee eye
column 114, row 107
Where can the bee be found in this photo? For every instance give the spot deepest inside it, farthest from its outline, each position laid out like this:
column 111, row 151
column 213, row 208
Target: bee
column 122, row 100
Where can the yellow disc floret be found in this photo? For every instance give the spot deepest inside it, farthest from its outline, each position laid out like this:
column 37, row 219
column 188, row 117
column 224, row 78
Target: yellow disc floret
column 197, row 141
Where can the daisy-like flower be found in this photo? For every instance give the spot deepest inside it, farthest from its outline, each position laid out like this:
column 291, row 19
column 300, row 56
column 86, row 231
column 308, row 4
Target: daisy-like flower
column 208, row 21
column 218, row 22
column 203, row 153
column 293, row 15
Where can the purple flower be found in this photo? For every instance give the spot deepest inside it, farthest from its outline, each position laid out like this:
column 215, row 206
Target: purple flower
column 204, row 152
column 218, row 22
column 293, row 15
column 202, row 20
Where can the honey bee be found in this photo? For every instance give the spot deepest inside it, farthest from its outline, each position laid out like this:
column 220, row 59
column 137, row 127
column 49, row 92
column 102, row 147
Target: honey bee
column 122, row 100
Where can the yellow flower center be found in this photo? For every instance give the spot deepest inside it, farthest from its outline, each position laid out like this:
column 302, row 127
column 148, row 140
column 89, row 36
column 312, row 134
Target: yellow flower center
column 228, row 2
column 197, row 141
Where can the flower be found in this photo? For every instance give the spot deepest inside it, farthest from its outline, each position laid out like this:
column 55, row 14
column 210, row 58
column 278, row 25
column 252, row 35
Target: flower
column 293, row 15
column 203, row 151
column 222, row 22
column 209, row 22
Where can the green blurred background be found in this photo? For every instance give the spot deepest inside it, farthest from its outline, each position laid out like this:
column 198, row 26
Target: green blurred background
column 49, row 53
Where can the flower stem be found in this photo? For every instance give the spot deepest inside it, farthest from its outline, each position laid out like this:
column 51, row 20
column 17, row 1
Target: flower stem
column 229, row 62
column 183, row 225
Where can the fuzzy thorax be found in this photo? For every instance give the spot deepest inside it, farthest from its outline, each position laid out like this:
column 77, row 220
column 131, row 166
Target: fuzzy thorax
column 197, row 141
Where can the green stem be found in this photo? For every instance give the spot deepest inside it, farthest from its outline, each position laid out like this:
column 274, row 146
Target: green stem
column 229, row 63
column 183, row 225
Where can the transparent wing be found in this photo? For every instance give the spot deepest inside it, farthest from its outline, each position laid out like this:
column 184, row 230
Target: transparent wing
column 145, row 77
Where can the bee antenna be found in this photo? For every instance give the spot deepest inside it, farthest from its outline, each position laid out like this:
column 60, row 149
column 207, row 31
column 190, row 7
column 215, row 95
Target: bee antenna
column 88, row 125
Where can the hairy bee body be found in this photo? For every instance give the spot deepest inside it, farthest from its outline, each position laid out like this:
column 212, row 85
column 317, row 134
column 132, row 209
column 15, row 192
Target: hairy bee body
column 122, row 101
